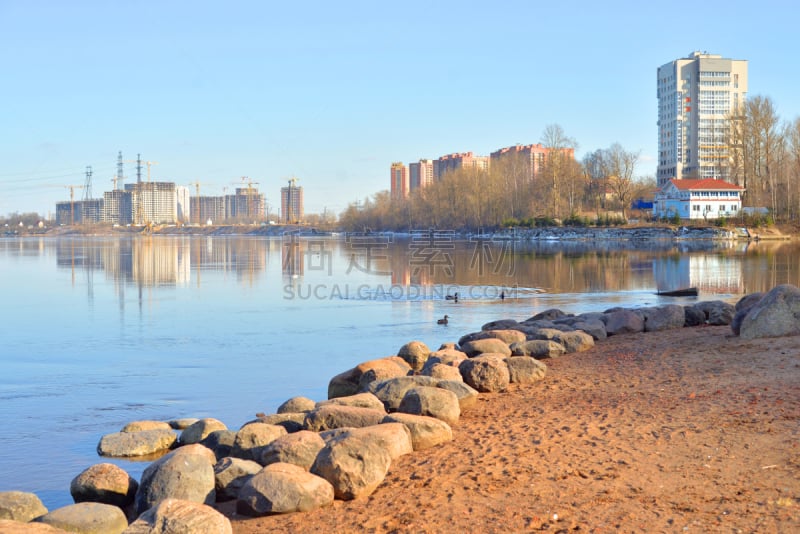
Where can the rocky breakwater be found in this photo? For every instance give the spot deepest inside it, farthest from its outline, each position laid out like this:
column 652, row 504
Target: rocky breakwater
column 310, row 453
column 644, row 233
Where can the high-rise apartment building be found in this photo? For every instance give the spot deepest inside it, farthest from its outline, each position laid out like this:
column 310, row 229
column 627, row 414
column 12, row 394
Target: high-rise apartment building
column 292, row 203
column 154, row 202
column 697, row 96
column 452, row 162
column 420, row 174
column 533, row 156
column 399, row 180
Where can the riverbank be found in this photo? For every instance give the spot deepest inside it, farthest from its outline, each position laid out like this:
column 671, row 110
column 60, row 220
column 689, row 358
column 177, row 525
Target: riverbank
column 680, row 430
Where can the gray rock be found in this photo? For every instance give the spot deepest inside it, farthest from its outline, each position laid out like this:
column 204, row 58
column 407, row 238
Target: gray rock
column 359, row 400
column 231, row 474
column 525, row 369
column 549, row 315
column 484, row 346
column 292, row 422
column 414, row 353
column 197, row 431
column 623, row 322
column 742, row 308
column 296, row 405
column 543, row 333
column 666, row 317
column 501, row 324
column 486, row 373
column 592, row 326
column 347, row 383
column 539, row 349
column 441, row 371
column 354, row 465
column 432, row 401
column 693, row 316
column 251, row 440
column 20, row 506
column 104, row 483
column 776, row 314
column 575, row 340
column 137, row 426
column 717, row 312
column 451, row 357
column 467, row 395
column 177, row 516
column 127, row 444
column 182, row 423
column 392, row 391
column 186, row 473
column 220, row 442
column 426, row 432
column 299, row 448
column 283, row 488
column 394, row 437
column 334, row 416
column 87, row 518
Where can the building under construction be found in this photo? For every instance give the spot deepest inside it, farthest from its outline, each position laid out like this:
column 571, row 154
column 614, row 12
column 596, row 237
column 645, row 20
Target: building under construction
column 79, row 211
column 292, row 203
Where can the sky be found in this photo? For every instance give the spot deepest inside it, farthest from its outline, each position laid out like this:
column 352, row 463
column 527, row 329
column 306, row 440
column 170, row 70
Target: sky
column 333, row 92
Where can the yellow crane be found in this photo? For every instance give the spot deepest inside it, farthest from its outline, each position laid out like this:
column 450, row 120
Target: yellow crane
column 72, row 189
column 251, row 195
column 196, row 214
column 148, row 163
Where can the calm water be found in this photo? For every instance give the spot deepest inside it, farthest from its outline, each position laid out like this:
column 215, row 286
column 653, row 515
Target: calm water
column 97, row 332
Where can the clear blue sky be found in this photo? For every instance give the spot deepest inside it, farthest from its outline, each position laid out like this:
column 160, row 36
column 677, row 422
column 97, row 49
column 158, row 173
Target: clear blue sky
column 333, row 92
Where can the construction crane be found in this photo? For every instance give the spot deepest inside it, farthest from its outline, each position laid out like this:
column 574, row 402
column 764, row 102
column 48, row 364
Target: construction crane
column 72, row 189
column 148, row 163
column 290, row 200
column 196, row 215
column 251, row 195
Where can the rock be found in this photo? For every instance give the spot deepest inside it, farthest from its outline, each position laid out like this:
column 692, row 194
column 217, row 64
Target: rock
column 549, row 315
column 525, row 369
column 432, row 401
column 394, row 437
column 220, row 442
column 742, row 308
column 7, row 526
column 183, row 423
column 507, row 336
column 776, row 314
column 486, row 373
column 666, row 317
column 296, row 405
column 334, row 416
column 104, row 483
column 501, row 324
column 20, row 506
column 283, row 488
column 539, row 349
column 543, row 333
column 467, row 396
column 451, row 357
column 143, row 443
column 693, row 316
column 414, row 353
column 354, row 465
column 299, row 448
column 197, row 431
column 347, row 383
column 426, row 432
column 177, row 516
column 292, row 422
column 87, row 518
column 484, row 346
column 329, row 435
column 623, row 322
column 592, row 326
column 441, row 371
column 717, row 312
column 251, row 440
column 575, row 340
column 231, row 474
column 186, row 473
column 359, row 400
column 391, row 392
column 138, row 426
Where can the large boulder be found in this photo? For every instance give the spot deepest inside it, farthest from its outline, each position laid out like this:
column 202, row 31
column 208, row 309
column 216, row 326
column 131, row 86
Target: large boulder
column 525, row 369
column 186, row 473
column 538, row 348
column 717, row 312
column 432, row 401
column 347, row 383
column 426, row 432
column 451, row 357
column 104, row 483
column 20, row 506
column 391, row 392
column 467, row 395
column 252, row 438
column 666, row 317
column 575, row 340
column 441, row 371
column 743, row 307
column 231, row 474
column 292, row 422
column 394, row 437
column 589, row 323
column 485, row 346
column 414, row 353
column 549, row 315
column 359, row 400
column 623, row 322
column 693, row 316
column 138, row 426
column 776, row 314
column 87, row 518
column 142, row 443
column 197, row 431
column 336, row 416
column 299, row 448
column 354, row 465
column 220, row 442
column 177, row 516
column 8, row 526
column 486, row 373
column 296, row 405
column 500, row 324
column 283, row 488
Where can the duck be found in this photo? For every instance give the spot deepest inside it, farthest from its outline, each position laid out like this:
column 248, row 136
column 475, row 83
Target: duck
column 442, row 321
column 452, row 297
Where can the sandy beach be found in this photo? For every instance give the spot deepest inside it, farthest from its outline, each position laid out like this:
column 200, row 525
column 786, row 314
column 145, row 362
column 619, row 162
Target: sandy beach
column 690, row 430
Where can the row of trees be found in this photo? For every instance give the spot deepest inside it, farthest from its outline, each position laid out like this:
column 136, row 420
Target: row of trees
column 766, row 158
column 472, row 198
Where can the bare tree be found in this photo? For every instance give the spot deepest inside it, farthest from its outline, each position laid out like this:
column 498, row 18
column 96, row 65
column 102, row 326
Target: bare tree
column 620, row 167
column 556, row 165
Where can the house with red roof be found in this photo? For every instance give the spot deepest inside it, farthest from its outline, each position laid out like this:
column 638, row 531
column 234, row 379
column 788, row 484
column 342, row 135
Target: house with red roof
column 698, row 199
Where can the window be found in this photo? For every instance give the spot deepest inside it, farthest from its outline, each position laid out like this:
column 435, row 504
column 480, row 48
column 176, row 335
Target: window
column 722, row 207
column 696, row 207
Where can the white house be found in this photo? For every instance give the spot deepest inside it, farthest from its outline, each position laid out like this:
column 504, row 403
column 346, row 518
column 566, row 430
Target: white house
column 698, row 199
